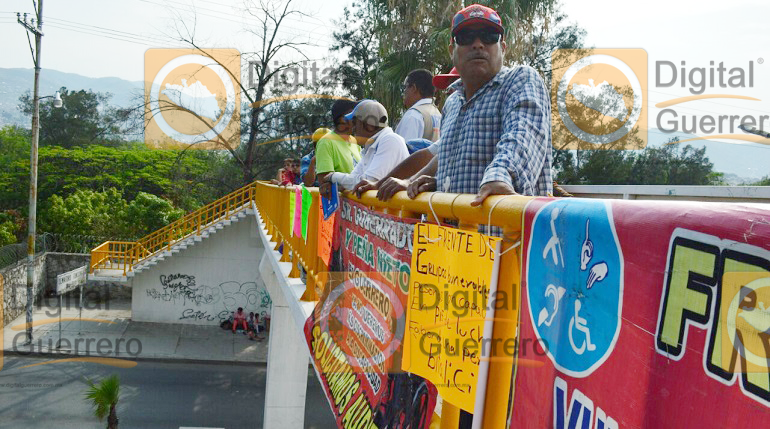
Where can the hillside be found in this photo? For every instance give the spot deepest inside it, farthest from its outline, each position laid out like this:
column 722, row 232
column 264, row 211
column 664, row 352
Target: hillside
column 740, row 162
column 15, row 82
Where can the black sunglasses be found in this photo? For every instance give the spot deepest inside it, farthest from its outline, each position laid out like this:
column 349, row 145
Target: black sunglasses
column 467, row 37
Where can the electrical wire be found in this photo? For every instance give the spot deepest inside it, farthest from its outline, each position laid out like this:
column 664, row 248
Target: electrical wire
column 65, row 22
column 144, row 42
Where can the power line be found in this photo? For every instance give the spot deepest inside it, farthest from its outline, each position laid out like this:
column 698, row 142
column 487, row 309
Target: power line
column 91, row 33
column 117, row 32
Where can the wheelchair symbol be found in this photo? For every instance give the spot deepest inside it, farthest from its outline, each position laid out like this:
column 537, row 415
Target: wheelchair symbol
column 581, row 325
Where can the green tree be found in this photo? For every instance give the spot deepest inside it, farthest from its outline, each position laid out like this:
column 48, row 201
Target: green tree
column 14, row 144
column 104, row 398
column 107, row 214
column 85, row 118
column 188, row 178
column 12, row 227
column 670, row 164
column 385, row 39
column 287, row 131
column 7, row 232
column 86, row 212
column 606, row 167
column 147, row 213
column 673, row 165
column 356, row 35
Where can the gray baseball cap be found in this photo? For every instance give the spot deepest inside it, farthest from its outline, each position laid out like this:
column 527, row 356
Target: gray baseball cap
column 370, row 112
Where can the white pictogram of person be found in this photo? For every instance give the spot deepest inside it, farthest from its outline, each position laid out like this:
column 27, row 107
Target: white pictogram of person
column 554, row 243
column 581, row 325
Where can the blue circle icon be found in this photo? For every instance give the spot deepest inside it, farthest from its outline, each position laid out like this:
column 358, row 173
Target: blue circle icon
column 575, row 283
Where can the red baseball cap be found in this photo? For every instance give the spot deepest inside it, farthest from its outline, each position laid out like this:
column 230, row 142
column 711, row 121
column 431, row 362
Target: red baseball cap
column 442, row 81
column 477, row 13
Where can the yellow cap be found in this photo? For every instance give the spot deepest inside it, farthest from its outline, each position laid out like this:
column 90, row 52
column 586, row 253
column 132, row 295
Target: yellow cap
column 319, row 133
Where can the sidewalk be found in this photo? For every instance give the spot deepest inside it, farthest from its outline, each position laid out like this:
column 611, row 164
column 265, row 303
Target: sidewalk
column 126, row 339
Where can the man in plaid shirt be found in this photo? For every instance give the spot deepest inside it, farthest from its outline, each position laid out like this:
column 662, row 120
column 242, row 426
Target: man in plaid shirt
column 496, row 131
column 496, row 135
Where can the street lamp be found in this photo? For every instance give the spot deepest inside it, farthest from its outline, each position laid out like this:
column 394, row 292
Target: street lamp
column 57, row 102
column 35, row 28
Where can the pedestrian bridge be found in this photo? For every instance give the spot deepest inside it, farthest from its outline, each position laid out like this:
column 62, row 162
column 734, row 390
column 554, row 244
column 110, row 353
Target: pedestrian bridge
column 636, row 307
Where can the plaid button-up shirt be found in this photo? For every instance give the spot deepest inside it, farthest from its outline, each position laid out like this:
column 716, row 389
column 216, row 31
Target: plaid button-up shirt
column 503, row 133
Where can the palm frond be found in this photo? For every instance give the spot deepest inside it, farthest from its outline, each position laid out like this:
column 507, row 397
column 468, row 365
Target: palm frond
column 104, row 395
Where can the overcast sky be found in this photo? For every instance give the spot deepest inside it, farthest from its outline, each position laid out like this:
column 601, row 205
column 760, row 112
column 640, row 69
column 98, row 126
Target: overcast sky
column 99, row 38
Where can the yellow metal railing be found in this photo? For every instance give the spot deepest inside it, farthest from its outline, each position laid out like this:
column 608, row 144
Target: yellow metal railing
column 506, row 212
column 272, row 202
column 112, row 255
column 122, row 256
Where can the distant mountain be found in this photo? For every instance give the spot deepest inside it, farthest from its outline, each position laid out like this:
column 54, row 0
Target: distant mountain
column 15, row 82
column 741, row 163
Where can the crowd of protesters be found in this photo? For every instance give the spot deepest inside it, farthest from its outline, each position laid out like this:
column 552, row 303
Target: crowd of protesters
column 492, row 138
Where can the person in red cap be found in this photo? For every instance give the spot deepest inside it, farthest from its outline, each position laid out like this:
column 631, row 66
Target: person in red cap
column 496, row 129
column 442, row 81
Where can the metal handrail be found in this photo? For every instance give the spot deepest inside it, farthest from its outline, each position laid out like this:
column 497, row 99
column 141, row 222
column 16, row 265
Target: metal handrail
column 502, row 211
column 105, row 257
column 272, row 203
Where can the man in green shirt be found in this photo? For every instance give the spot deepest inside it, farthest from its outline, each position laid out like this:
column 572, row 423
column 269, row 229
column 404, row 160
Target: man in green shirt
column 337, row 151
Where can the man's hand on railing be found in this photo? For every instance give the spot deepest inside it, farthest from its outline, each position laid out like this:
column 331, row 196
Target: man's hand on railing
column 420, row 185
column 363, row 186
column 390, row 187
column 492, row 188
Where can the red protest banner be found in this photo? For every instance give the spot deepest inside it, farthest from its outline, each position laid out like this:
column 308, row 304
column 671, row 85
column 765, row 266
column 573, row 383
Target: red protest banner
column 356, row 332
column 644, row 315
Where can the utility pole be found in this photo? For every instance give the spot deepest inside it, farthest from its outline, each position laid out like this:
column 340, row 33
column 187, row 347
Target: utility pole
column 38, row 32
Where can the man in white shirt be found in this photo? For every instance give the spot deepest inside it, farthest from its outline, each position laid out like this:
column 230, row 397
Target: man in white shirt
column 383, row 149
column 422, row 120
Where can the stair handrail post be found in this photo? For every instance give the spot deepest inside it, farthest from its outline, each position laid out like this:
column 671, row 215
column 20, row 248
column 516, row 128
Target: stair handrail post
column 123, row 248
column 131, row 256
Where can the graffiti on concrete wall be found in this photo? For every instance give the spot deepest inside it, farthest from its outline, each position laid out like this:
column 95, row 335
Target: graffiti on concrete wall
column 182, row 289
column 201, row 302
column 189, row 313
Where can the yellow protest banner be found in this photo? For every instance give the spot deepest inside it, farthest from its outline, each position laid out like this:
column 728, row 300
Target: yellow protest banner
column 453, row 273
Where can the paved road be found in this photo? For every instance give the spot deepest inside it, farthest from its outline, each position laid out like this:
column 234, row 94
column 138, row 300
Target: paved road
column 153, row 395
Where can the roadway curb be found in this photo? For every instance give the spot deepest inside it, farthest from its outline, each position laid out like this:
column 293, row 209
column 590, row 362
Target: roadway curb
column 139, row 358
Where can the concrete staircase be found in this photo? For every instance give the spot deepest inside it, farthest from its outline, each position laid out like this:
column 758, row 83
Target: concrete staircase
column 116, row 275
